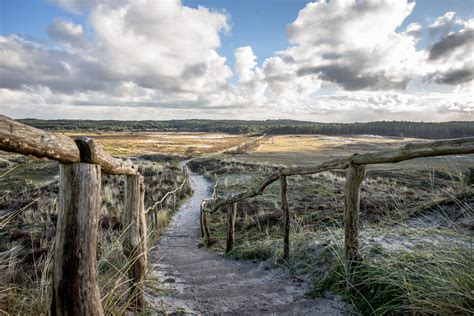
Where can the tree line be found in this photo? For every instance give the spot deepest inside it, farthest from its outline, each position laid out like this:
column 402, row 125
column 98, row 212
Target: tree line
column 273, row 127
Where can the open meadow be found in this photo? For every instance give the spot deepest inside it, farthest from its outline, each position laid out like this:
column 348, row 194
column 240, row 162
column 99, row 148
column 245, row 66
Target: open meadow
column 138, row 143
column 292, row 150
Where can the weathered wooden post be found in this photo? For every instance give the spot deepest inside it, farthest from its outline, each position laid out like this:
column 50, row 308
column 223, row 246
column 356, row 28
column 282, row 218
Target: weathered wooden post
column 143, row 227
column 75, row 289
column 133, row 245
column 354, row 177
column 286, row 215
column 207, row 232
column 201, row 217
column 231, row 212
column 155, row 221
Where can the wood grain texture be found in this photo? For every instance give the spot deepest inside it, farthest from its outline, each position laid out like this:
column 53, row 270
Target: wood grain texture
column 286, row 217
column 459, row 146
column 93, row 153
column 207, row 231
column 231, row 213
column 201, row 224
column 75, row 289
column 354, row 177
column 133, row 244
column 23, row 139
column 143, row 226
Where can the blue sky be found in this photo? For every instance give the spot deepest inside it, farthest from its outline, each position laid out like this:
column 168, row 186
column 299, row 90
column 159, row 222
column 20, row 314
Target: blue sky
column 341, row 60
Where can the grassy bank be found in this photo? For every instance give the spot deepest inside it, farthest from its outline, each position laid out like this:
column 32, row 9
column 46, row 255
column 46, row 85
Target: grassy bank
column 415, row 239
column 28, row 213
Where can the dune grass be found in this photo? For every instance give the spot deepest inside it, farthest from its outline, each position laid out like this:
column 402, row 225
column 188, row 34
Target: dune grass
column 25, row 287
column 417, row 255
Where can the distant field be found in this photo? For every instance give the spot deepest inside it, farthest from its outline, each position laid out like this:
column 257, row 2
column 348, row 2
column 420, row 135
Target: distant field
column 288, row 150
column 291, row 150
column 129, row 144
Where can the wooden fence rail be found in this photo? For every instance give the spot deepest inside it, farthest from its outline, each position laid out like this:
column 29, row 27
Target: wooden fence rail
column 355, row 166
column 75, row 290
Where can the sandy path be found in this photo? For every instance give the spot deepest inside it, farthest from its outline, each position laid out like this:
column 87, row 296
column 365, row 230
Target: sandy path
column 204, row 282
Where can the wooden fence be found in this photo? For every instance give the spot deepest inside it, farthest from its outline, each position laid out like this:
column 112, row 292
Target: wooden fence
column 75, row 289
column 355, row 171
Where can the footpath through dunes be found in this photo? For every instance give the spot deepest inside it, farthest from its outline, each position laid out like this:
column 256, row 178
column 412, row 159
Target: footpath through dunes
column 203, row 282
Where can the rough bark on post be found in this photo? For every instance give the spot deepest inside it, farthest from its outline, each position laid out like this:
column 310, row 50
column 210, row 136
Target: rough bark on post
column 143, row 227
column 27, row 140
column 231, row 212
column 286, row 215
column 155, row 221
column 201, row 224
column 133, row 243
column 354, row 177
column 91, row 152
column 75, row 289
column 207, row 232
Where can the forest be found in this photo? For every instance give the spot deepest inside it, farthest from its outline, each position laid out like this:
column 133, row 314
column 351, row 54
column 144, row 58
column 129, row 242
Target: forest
column 427, row 130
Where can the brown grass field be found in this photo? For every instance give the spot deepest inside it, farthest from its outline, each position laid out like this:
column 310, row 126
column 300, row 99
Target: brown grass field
column 290, row 150
column 131, row 144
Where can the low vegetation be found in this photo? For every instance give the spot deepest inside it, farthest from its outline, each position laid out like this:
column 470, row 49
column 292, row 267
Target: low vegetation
column 143, row 143
column 28, row 212
column 417, row 217
column 416, row 230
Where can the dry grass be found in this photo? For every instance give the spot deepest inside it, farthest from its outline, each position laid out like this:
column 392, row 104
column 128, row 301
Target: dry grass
column 330, row 145
column 28, row 211
column 290, row 150
column 415, row 237
column 132, row 144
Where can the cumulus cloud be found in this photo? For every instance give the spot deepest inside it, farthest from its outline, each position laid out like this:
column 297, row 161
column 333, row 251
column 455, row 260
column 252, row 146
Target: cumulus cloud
column 25, row 63
column 66, row 33
column 162, row 46
column 451, row 58
column 245, row 63
column 345, row 57
column 414, row 30
column 354, row 43
column 442, row 25
column 461, row 41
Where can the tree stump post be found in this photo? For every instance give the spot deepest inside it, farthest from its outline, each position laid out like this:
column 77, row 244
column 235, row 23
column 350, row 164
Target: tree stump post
column 75, row 290
column 133, row 245
column 231, row 212
column 354, row 177
column 286, row 214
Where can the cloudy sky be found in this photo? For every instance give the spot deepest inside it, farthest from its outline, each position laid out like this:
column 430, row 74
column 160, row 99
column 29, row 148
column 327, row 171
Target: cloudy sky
column 338, row 60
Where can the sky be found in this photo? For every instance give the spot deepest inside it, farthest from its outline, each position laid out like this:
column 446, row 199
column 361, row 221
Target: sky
column 326, row 60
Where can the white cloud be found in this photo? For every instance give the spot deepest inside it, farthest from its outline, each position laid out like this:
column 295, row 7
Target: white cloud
column 162, row 46
column 244, row 63
column 67, row 34
column 346, row 58
column 354, row 43
column 414, row 29
column 443, row 24
column 450, row 60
